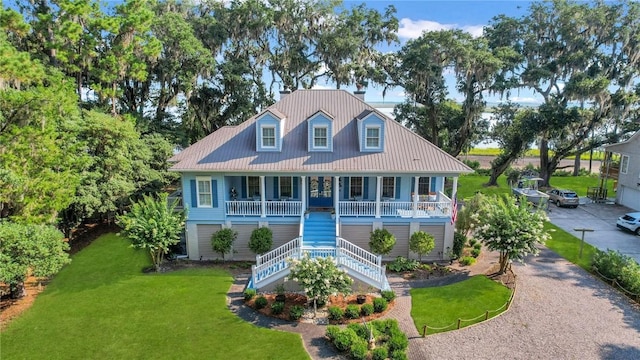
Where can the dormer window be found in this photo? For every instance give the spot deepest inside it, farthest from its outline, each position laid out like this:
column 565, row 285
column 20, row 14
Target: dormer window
column 373, row 137
column 268, row 136
column 320, row 136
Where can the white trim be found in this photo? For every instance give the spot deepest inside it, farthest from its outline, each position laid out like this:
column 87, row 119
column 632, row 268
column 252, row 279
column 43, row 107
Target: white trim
column 326, row 137
column 366, row 138
column 624, row 165
column 262, row 137
column 428, row 187
column 207, row 180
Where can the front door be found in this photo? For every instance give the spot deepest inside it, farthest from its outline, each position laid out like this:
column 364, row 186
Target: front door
column 320, row 191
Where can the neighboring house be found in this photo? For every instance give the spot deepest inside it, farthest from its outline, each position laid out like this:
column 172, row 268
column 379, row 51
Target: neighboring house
column 628, row 188
column 312, row 154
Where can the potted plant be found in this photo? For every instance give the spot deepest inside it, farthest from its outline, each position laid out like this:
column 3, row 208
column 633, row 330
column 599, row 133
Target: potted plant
column 280, row 293
column 306, row 214
column 333, row 214
column 361, row 297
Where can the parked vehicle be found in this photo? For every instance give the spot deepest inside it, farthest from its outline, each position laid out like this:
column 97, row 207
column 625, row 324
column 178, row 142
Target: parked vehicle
column 528, row 187
column 562, row 197
column 630, row 221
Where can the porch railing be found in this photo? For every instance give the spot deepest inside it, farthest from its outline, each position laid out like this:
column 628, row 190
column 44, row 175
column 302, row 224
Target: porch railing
column 275, row 261
column 272, row 208
column 396, row 208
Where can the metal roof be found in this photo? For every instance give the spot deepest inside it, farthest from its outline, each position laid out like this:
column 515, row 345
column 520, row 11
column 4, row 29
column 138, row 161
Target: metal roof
column 233, row 148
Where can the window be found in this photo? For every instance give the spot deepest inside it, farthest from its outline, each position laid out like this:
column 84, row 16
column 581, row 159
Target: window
column 253, row 186
column 286, row 186
column 355, row 186
column 424, row 185
column 624, row 164
column 373, row 137
column 204, row 192
column 389, row 187
column 320, row 137
column 268, row 136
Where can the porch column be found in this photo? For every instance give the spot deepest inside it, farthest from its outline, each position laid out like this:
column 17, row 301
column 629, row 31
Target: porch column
column 263, row 205
column 303, row 193
column 378, row 192
column 415, row 195
column 454, row 191
column 336, row 195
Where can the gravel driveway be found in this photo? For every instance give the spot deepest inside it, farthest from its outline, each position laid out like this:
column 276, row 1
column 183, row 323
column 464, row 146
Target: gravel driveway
column 559, row 312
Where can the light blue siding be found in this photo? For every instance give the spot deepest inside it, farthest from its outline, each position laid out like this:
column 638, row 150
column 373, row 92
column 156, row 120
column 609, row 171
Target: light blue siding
column 375, row 121
column 210, row 213
column 319, row 120
column 268, row 120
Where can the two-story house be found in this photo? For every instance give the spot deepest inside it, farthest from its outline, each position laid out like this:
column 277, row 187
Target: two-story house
column 322, row 169
column 628, row 171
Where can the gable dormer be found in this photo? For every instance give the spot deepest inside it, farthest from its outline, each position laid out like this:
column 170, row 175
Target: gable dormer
column 371, row 132
column 269, row 131
column 320, row 132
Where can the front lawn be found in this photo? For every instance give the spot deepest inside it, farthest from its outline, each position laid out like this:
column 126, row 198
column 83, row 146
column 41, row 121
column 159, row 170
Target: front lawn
column 442, row 306
column 102, row 306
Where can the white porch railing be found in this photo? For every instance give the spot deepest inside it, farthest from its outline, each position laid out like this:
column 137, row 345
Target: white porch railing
column 357, row 208
column 274, row 262
column 272, row 208
column 403, row 209
column 361, row 263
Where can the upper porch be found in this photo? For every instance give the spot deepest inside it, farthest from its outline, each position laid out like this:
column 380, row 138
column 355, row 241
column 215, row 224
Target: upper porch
column 264, row 196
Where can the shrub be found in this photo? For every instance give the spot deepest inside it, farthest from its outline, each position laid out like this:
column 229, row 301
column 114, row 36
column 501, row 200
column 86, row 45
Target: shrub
column 277, row 308
column 483, row 172
column 459, row 240
column 379, row 353
column 381, row 241
column 332, row 331
column 398, row 355
column 398, row 341
column 359, row 330
column 261, row 302
column 249, row 294
column 477, row 246
column 401, row 264
column 425, row 267
column 366, row 309
column 296, row 312
column 359, row 349
column 379, row 305
column 474, row 164
column 222, row 241
column 352, row 311
column 472, row 242
column 335, row 313
column 421, row 243
column 614, row 265
column 261, row 240
column 388, row 295
column 344, row 339
column 467, row 260
column 475, row 252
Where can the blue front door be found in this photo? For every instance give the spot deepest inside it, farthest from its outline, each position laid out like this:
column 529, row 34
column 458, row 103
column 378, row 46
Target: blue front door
column 320, row 191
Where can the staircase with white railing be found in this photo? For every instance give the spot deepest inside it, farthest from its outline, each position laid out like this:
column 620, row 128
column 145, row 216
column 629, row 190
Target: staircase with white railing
column 355, row 261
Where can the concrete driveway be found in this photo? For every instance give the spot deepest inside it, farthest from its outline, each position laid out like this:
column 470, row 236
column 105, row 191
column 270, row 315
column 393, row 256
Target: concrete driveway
column 601, row 218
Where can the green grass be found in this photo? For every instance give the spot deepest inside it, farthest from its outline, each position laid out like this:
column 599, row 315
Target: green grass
column 442, row 306
column 102, row 306
column 568, row 246
column 469, row 184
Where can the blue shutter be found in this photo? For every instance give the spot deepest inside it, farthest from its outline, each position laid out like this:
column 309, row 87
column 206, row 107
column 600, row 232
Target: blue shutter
column 365, row 191
column 413, row 186
column 243, row 187
column 214, row 193
column 432, row 183
column 345, row 184
column 295, row 187
column 276, row 190
column 398, row 187
column 194, row 194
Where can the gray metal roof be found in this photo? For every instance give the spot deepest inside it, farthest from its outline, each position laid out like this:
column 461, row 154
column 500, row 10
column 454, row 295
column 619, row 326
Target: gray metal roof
column 233, row 148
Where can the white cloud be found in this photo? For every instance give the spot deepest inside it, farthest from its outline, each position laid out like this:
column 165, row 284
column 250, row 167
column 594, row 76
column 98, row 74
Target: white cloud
column 322, row 87
column 411, row 29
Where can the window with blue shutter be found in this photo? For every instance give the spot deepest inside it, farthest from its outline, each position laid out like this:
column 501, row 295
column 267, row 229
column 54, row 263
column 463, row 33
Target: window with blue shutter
column 398, row 187
column 296, row 180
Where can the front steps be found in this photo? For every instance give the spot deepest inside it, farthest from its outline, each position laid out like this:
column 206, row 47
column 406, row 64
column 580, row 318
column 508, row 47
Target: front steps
column 319, row 231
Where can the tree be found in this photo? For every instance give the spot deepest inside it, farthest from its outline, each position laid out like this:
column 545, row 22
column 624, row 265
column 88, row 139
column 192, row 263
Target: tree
column 153, row 224
column 28, row 248
column 465, row 221
column 421, row 243
column 261, row 240
column 381, row 241
column 319, row 277
column 512, row 229
column 222, row 241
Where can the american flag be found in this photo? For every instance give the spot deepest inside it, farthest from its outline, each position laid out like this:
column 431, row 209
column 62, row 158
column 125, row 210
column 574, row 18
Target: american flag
column 454, row 210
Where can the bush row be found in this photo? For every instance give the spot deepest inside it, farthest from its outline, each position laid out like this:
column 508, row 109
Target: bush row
column 353, row 311
column 391, row 343
column 623, row 268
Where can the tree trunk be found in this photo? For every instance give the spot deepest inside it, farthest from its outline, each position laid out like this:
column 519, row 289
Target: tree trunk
column 544, row 162
column 498, row 167
column 576, row 165
column 504, row 261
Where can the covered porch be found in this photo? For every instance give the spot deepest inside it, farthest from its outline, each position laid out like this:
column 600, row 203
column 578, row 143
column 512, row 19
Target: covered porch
column 347, row 196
